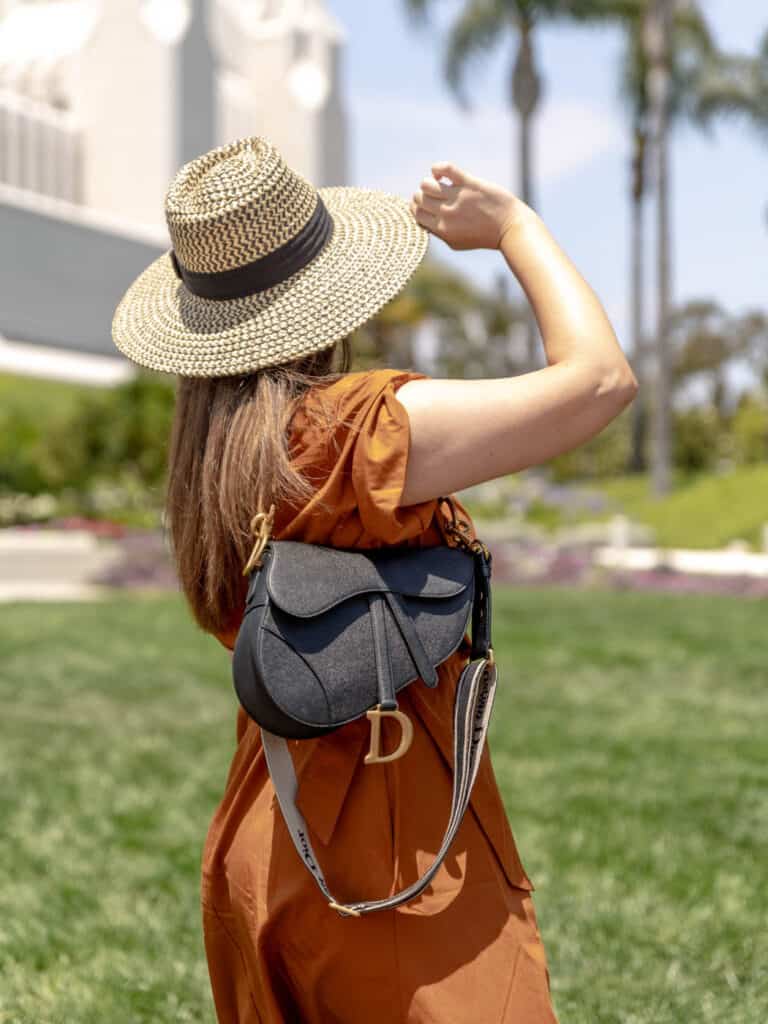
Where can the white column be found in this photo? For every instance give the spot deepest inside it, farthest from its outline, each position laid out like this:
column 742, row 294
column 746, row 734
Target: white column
column 12, row 141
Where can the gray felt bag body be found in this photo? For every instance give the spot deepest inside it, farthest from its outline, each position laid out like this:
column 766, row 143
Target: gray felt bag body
column 331, row 635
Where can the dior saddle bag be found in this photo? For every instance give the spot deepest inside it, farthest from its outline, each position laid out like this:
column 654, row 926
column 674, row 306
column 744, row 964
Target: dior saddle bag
column 331, row 635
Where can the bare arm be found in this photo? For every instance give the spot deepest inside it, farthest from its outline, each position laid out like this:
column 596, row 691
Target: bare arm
column 464, row 432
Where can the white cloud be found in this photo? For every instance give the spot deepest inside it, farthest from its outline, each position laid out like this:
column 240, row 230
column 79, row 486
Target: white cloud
column 396, row 140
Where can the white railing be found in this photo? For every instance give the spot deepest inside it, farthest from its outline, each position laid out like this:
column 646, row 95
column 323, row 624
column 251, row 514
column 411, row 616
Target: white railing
column 41, row 148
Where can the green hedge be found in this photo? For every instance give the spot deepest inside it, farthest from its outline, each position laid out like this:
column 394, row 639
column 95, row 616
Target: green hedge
column 94, row 450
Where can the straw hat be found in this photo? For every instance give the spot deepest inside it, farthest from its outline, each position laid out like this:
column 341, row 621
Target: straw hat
column 265, row 268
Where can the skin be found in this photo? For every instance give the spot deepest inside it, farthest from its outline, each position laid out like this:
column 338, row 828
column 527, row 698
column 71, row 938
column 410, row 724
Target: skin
column 464, row 432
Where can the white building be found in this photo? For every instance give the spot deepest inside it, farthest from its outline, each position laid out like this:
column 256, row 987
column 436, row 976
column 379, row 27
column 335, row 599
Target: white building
column 101, row 101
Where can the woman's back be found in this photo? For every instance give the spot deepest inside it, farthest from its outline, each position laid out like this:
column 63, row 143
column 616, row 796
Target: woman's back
column 269, row 933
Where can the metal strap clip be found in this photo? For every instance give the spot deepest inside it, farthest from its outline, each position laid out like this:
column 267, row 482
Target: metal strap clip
column 261, row 527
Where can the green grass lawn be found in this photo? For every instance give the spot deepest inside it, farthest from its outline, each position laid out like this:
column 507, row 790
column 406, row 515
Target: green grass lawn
column 628, row 738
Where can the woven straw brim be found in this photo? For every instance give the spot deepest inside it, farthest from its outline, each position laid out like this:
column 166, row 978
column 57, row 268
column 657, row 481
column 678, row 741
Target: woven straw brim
column 374, row 249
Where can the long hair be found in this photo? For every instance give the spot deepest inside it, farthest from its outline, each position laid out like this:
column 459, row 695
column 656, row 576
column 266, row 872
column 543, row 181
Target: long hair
column 228, row 459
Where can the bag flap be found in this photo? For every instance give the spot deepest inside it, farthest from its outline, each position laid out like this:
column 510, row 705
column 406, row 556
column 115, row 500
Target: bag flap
column 308, row 579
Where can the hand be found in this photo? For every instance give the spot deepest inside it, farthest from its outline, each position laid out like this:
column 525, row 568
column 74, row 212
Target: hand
column 468, row 213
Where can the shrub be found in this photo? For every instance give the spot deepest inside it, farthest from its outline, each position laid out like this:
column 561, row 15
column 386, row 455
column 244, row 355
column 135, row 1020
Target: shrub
column 110, row 437
column 749, row 430
column 698, row 437
column 605, row 455
column 117, row 433
column 22, row 451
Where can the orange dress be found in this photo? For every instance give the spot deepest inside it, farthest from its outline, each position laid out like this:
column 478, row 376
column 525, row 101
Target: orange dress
column 468, row 949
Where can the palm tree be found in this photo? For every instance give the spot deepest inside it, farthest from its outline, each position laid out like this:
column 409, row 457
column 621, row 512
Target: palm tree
column 675, row 72
column 482, row 24
column 691, row 46
column 658, row 49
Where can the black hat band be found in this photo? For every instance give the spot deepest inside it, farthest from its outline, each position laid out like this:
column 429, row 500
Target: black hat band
column 267, row 271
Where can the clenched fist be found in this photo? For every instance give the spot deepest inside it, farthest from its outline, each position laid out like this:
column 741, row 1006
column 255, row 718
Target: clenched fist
column 468, row 213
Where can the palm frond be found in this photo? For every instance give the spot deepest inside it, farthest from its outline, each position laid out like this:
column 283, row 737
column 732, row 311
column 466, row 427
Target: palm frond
column 693, row 50
column 475, row 31
column 587, row 10
column 418, row 11
column 734, row 85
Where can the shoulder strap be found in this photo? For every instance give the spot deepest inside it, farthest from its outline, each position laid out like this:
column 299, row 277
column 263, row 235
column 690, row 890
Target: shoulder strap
column 475, row 692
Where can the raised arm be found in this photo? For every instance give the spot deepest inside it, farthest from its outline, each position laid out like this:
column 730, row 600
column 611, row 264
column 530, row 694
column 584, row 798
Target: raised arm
column 464, row 432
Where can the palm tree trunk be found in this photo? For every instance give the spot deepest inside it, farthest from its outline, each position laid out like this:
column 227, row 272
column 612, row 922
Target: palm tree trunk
column 639, row 414
column 531, row 327
column 658, row 27
column 526, row 89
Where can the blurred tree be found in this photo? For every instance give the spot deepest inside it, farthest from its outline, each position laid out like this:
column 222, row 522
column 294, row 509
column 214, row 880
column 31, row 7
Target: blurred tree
column 469, row 325
column 749, row 429
column 698, row 438
column 479, row 342
column 735, row 85
column 704, row 342
column 658, row 48
column 672, row 71
column 754, row 328
column 477, row 28
column 714, row 83
column 691, row 47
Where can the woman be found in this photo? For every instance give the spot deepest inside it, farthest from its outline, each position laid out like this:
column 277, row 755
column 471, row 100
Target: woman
column 252, row 309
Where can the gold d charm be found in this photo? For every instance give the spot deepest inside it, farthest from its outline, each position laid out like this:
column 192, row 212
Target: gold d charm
column 374, row 755
column 261, row 527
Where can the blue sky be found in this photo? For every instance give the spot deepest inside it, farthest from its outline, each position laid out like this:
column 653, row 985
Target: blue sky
column 403, row 118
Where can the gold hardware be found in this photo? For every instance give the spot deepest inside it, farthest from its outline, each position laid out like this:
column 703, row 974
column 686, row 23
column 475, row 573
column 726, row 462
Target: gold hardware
column 374, row 755
column 491, row 658
column 455, row 528
column 261, row 527
column 347, row 910
column 458, row 529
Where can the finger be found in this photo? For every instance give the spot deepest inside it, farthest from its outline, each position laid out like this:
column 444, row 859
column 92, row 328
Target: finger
column 427, row 202
column 447, row 169
column 416, row 206
column 430, row 187
column 425, row 218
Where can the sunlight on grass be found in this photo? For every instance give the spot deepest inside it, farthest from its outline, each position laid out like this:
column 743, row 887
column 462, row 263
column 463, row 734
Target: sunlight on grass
column 626, row 740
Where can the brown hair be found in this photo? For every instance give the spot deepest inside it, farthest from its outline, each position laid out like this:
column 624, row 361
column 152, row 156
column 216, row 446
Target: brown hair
column 228, row 459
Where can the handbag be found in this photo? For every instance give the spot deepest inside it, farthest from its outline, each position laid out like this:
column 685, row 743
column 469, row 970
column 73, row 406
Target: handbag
column 330, row 635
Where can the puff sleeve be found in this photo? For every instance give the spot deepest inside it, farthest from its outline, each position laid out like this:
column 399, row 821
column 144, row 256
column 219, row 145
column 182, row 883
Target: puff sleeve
column 379, row 462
